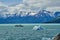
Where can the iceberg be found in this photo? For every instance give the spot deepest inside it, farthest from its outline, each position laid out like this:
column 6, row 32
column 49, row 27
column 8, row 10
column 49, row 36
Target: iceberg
column 38, row 28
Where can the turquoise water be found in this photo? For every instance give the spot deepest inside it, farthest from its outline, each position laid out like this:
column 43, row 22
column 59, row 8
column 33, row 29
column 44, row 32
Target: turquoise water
column 10, row 32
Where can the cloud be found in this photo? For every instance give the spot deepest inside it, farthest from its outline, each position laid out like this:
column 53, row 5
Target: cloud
column 37, row 5
column 2, row 4
column 41, row 4
column 54, row 3
column 3, row 9
column 33, row 6
column 53, row 9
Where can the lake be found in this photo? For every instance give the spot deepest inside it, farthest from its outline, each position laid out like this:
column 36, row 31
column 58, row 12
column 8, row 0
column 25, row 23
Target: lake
column 10, row 32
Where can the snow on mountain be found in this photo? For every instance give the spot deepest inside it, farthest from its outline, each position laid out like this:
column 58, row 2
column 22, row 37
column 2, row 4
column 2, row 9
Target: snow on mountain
column 32, row 10
column 19, row 10
column 23, row 10
column 21, row 14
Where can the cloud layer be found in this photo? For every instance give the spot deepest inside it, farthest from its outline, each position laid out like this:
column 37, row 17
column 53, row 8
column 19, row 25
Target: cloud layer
column 33, row 6
column 42, row 3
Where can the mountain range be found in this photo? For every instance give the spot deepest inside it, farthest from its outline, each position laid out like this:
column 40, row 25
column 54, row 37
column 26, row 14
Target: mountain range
column 19, row 14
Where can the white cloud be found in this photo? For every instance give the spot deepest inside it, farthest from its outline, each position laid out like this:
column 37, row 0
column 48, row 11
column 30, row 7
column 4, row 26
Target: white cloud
column 53, row 9
column 1, row 4
column 12, row 10
column 34, row 4
column 37, row 5
column 31, row 6
column 41, row 4
column 19, row 6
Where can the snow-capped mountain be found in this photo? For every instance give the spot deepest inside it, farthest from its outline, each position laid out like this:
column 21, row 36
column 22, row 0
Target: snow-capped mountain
column 22, row 14
column 39, row 17
column 57, row 14
column 19, row 10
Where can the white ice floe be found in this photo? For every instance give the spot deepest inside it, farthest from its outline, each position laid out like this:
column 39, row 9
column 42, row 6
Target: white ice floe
column 38, row 28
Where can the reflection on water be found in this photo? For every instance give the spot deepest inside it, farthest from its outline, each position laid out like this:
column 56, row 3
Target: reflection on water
column 9, row 32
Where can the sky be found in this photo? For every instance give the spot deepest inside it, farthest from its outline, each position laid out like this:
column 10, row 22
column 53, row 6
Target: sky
column 11, row 2
column 43, row 4
column 34, row 5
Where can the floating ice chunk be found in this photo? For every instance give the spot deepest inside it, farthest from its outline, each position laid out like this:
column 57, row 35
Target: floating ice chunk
column 38, row 28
